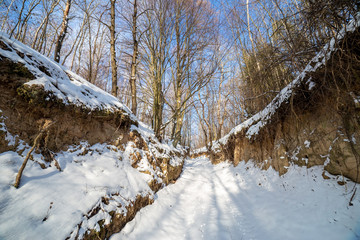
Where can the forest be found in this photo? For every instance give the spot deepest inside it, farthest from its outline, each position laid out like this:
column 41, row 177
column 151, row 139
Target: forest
column 179, row 119
column 190, row 69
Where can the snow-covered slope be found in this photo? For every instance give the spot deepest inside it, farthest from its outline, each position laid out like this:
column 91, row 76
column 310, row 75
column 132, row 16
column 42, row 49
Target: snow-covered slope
column 259, row 120
column 215, row 202
column 50, row 204
column 59, row 82
column 96, row 184
column 91, row 171
column 312, row 121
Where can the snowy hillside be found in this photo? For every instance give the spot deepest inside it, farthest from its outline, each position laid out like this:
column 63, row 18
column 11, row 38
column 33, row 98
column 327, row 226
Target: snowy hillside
column 55, row 79
column 91, row 171
column 312, row 121
column 50, row 203
column 95, row 183
column 259, row 120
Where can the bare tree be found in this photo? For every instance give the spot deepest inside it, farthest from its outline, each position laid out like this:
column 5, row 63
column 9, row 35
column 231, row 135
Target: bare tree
column 5, row 17
column 44, row 24
column 21, row 34
column 134, row 57
column 17, row 25
column 156, row 54
column 114, row 77
column 62, row 34
column 194, row 61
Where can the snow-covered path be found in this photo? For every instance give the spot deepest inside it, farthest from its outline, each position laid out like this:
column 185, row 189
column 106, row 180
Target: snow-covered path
column 223, row 202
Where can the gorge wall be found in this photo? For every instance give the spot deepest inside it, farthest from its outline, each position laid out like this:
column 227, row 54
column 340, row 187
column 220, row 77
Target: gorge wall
column 315, row 120
column 35, row 90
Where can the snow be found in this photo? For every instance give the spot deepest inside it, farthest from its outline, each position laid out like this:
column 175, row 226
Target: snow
column 207, row 202
column 244, row 202
column 59, row 82
column 167, row 149
column 253, row 125
column 56, row 204
column 199, row 151
column 84, row 179
column 52, row 203
column 311, row 84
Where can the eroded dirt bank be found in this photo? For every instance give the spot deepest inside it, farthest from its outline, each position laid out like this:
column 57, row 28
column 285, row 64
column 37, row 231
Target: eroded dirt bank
column 313, row 121
column 35, row 90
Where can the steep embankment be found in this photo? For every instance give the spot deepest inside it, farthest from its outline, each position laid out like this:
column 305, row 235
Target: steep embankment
column 315, row 120
column 91, row 170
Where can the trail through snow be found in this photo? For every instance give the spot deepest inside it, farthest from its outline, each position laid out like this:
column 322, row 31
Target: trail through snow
column 222, row 202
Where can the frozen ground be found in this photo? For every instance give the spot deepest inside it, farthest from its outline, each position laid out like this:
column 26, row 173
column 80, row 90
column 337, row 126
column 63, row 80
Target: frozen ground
column 223, row 202
column 49, row 204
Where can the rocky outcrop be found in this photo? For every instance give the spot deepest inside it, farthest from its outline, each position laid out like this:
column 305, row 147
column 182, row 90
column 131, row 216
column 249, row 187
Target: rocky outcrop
column 313, row 121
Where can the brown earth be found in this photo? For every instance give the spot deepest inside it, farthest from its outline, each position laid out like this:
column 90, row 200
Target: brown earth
column 119, row 220
column 320, row 126
column 24, row 110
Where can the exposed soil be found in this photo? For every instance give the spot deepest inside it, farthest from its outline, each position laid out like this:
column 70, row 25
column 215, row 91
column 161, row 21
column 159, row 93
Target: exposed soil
column 317, row 126
column 118, row 220
column 26, row 110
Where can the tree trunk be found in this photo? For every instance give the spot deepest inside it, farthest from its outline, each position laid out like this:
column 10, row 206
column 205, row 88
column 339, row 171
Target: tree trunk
column 134, row 61
column 90, row 62
column 178, row 116
column 6, row 15
column 178, row 128
column 62, row 34
column 158, row 108
column 114, row 86
column 19, row 19
column 19, row 175
column 44, row 23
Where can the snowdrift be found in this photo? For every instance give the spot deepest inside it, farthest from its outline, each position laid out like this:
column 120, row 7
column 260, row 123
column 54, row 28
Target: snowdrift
column 92, row 170
column 315, row 120
column 216, row 202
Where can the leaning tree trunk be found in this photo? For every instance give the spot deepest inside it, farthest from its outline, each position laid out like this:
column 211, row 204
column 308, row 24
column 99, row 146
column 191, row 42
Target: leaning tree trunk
column 46, row 126
column 62, row 34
